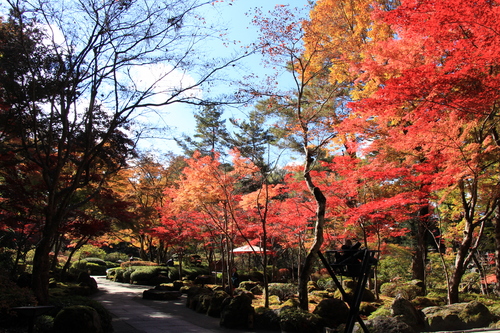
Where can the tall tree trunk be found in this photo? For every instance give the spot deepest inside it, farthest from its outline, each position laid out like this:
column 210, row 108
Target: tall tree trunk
column 496, row 219
column 41, row 261
column 420, row 250
column 460, row 263
column 306, row 270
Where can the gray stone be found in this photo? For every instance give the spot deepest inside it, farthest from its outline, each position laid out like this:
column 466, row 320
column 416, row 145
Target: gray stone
column 385, row 324
column 459, row 316
column 403, row 310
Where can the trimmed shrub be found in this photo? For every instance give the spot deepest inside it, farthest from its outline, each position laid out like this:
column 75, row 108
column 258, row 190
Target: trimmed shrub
column 96, row 269
column 266, row 319
column 44, row 324
column 112, row 273
column 237, row 312
column 146, row 274
column 215, row 307
column 137, row 263
column 297, row 320
column 126, row 275
column 77, row 319
column 94, row 266
column 116, row 257
column 70, row 300
column 97, row 261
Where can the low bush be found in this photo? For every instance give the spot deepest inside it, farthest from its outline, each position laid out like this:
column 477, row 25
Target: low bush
column 44, row 324
column 77, row 319
column 115, row 274
column 297, row 320
column 97, row 261
column 283, row 290
column 149, row 275
column 112, row 264
column 89, row 251
column 94, row 266
column 61, row 301
column 11, row 295
column 126, row 274
column 266, row 319
column 95, row 269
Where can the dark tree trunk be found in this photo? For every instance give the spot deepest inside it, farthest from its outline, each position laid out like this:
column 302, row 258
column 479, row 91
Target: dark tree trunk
column 497, row 246
column 41, row 269
column 306, row 270
column 420, row 250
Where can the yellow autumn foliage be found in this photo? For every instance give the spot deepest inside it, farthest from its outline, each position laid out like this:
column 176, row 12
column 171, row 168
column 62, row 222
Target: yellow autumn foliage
column 341, row 31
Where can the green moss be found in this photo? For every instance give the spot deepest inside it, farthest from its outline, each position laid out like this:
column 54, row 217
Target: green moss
column 381, row 311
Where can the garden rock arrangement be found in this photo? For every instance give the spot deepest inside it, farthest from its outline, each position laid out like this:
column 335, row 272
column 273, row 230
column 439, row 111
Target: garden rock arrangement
column 406, row 318
column 331, row 313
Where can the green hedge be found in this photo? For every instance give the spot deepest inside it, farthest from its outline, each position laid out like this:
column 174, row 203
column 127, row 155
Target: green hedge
column 94, row 266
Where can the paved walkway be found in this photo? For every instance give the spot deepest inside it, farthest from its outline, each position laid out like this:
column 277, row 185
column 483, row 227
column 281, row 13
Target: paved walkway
column 132, row 314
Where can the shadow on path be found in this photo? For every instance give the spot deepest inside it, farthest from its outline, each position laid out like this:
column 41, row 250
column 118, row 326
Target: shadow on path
column 132, row 314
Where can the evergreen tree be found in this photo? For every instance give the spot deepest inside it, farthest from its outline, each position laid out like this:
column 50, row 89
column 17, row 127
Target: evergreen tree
column 252, row 139
column 211, row 133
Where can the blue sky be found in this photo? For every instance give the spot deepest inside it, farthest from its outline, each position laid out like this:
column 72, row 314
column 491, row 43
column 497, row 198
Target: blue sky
column 236, row 16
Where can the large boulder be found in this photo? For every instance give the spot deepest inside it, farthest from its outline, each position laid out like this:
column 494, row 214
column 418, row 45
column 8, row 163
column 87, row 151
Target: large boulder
column 332, row 311
column 237, row 312
column 404, row 310
column 459, row 316
column 383, row 324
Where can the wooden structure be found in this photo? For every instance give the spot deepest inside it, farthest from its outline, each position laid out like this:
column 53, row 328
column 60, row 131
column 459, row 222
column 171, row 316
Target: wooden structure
column 356, row 263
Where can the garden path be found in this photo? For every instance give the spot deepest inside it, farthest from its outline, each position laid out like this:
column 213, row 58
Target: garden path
column 132, row 314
